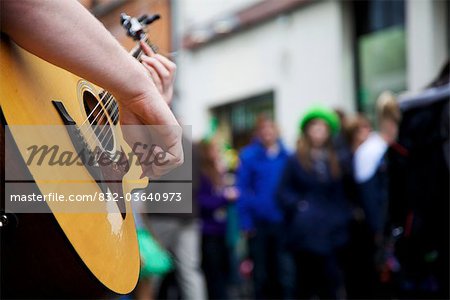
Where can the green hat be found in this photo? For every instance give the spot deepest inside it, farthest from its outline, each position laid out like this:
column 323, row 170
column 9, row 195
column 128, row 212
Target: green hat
column 324, row 114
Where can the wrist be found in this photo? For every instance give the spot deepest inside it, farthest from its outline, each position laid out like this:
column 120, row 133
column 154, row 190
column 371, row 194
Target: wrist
column 137, row 86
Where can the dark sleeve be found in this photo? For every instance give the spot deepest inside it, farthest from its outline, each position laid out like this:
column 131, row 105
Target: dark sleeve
column 207, row 198
column 373, row 195
column 245, row 187
column 288, row 195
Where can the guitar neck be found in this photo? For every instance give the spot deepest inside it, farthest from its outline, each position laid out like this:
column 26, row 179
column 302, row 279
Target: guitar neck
column 137, row 51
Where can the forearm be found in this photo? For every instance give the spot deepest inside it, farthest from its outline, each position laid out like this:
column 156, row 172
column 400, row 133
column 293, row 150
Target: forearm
column 67, row 35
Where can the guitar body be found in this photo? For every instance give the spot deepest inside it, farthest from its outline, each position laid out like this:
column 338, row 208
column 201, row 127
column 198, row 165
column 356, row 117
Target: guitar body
column 69, row 253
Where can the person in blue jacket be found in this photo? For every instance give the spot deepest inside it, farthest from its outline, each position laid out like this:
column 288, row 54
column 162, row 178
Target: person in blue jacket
column 317, row 213
column 261, row 165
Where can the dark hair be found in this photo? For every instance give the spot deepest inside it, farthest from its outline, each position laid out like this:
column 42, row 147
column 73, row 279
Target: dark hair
column 352, row 128
column 261, row 120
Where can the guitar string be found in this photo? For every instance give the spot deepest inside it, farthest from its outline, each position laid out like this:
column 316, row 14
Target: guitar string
column 101, row 99
column 92, row 126
column 93, row 134
column 106, row 127
column 114, row 119
column 99, row 113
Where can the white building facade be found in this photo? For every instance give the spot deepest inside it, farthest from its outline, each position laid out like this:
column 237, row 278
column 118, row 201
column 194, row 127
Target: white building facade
column 238, row 52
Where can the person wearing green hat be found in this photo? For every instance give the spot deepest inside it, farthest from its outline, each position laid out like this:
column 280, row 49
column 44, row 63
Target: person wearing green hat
column 324, row 114
column 311, row 195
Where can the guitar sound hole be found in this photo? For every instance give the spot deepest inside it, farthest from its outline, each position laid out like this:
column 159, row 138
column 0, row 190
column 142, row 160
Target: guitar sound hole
column 99, row 117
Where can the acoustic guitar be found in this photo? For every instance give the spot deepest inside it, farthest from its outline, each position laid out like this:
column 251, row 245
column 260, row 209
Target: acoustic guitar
column 76, row 249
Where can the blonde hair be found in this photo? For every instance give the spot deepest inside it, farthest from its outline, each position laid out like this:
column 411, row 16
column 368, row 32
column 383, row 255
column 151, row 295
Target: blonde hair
column 387, row 107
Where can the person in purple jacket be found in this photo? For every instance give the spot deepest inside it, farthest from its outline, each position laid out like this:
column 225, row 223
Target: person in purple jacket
column 213, row 198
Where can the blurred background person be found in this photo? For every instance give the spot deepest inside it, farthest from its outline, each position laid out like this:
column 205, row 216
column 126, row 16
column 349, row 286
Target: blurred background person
column 341, row 138
column 370, row 164
column 180, row 234
column 311, row 194
column 213, row 197
column 371, row 171
column 419, row 194
column 359, row 254
column 358, row 130
column 156, row 262
column 261, row 165
column 343, row 145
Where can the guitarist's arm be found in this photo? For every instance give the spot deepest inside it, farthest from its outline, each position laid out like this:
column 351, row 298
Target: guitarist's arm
column 64, row 33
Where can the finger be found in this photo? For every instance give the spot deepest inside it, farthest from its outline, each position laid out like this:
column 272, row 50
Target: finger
column 170, row 65
column 163, row 73
column 150, row 62
column 154, row 76
column 139, row 140
column 147, row 49
column 162, row 161
column 147, row 141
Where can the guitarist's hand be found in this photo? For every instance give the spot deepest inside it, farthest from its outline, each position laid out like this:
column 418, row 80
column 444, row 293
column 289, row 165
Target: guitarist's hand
column 161, row 70
column 164, row 138
column 158, row 147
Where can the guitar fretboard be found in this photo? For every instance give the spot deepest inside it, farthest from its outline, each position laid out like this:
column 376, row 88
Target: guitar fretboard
column 137, row 53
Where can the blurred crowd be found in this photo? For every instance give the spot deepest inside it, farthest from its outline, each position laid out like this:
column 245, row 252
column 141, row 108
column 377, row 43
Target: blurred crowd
column 295, row 208
column 317, row 221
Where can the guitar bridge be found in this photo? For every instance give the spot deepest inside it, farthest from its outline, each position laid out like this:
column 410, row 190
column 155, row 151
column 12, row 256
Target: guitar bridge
column 89, row 159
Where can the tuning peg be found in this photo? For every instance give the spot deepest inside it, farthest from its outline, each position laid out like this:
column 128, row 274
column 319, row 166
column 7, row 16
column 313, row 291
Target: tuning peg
column 142, row 18
column 145, row 19
column 124, row 18
column 135, row 27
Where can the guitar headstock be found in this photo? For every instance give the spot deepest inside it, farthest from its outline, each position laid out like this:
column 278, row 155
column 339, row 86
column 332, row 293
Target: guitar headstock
column 135, row 27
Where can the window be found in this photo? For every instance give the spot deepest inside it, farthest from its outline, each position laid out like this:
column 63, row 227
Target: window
column 236, row 121
column 380, row 43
